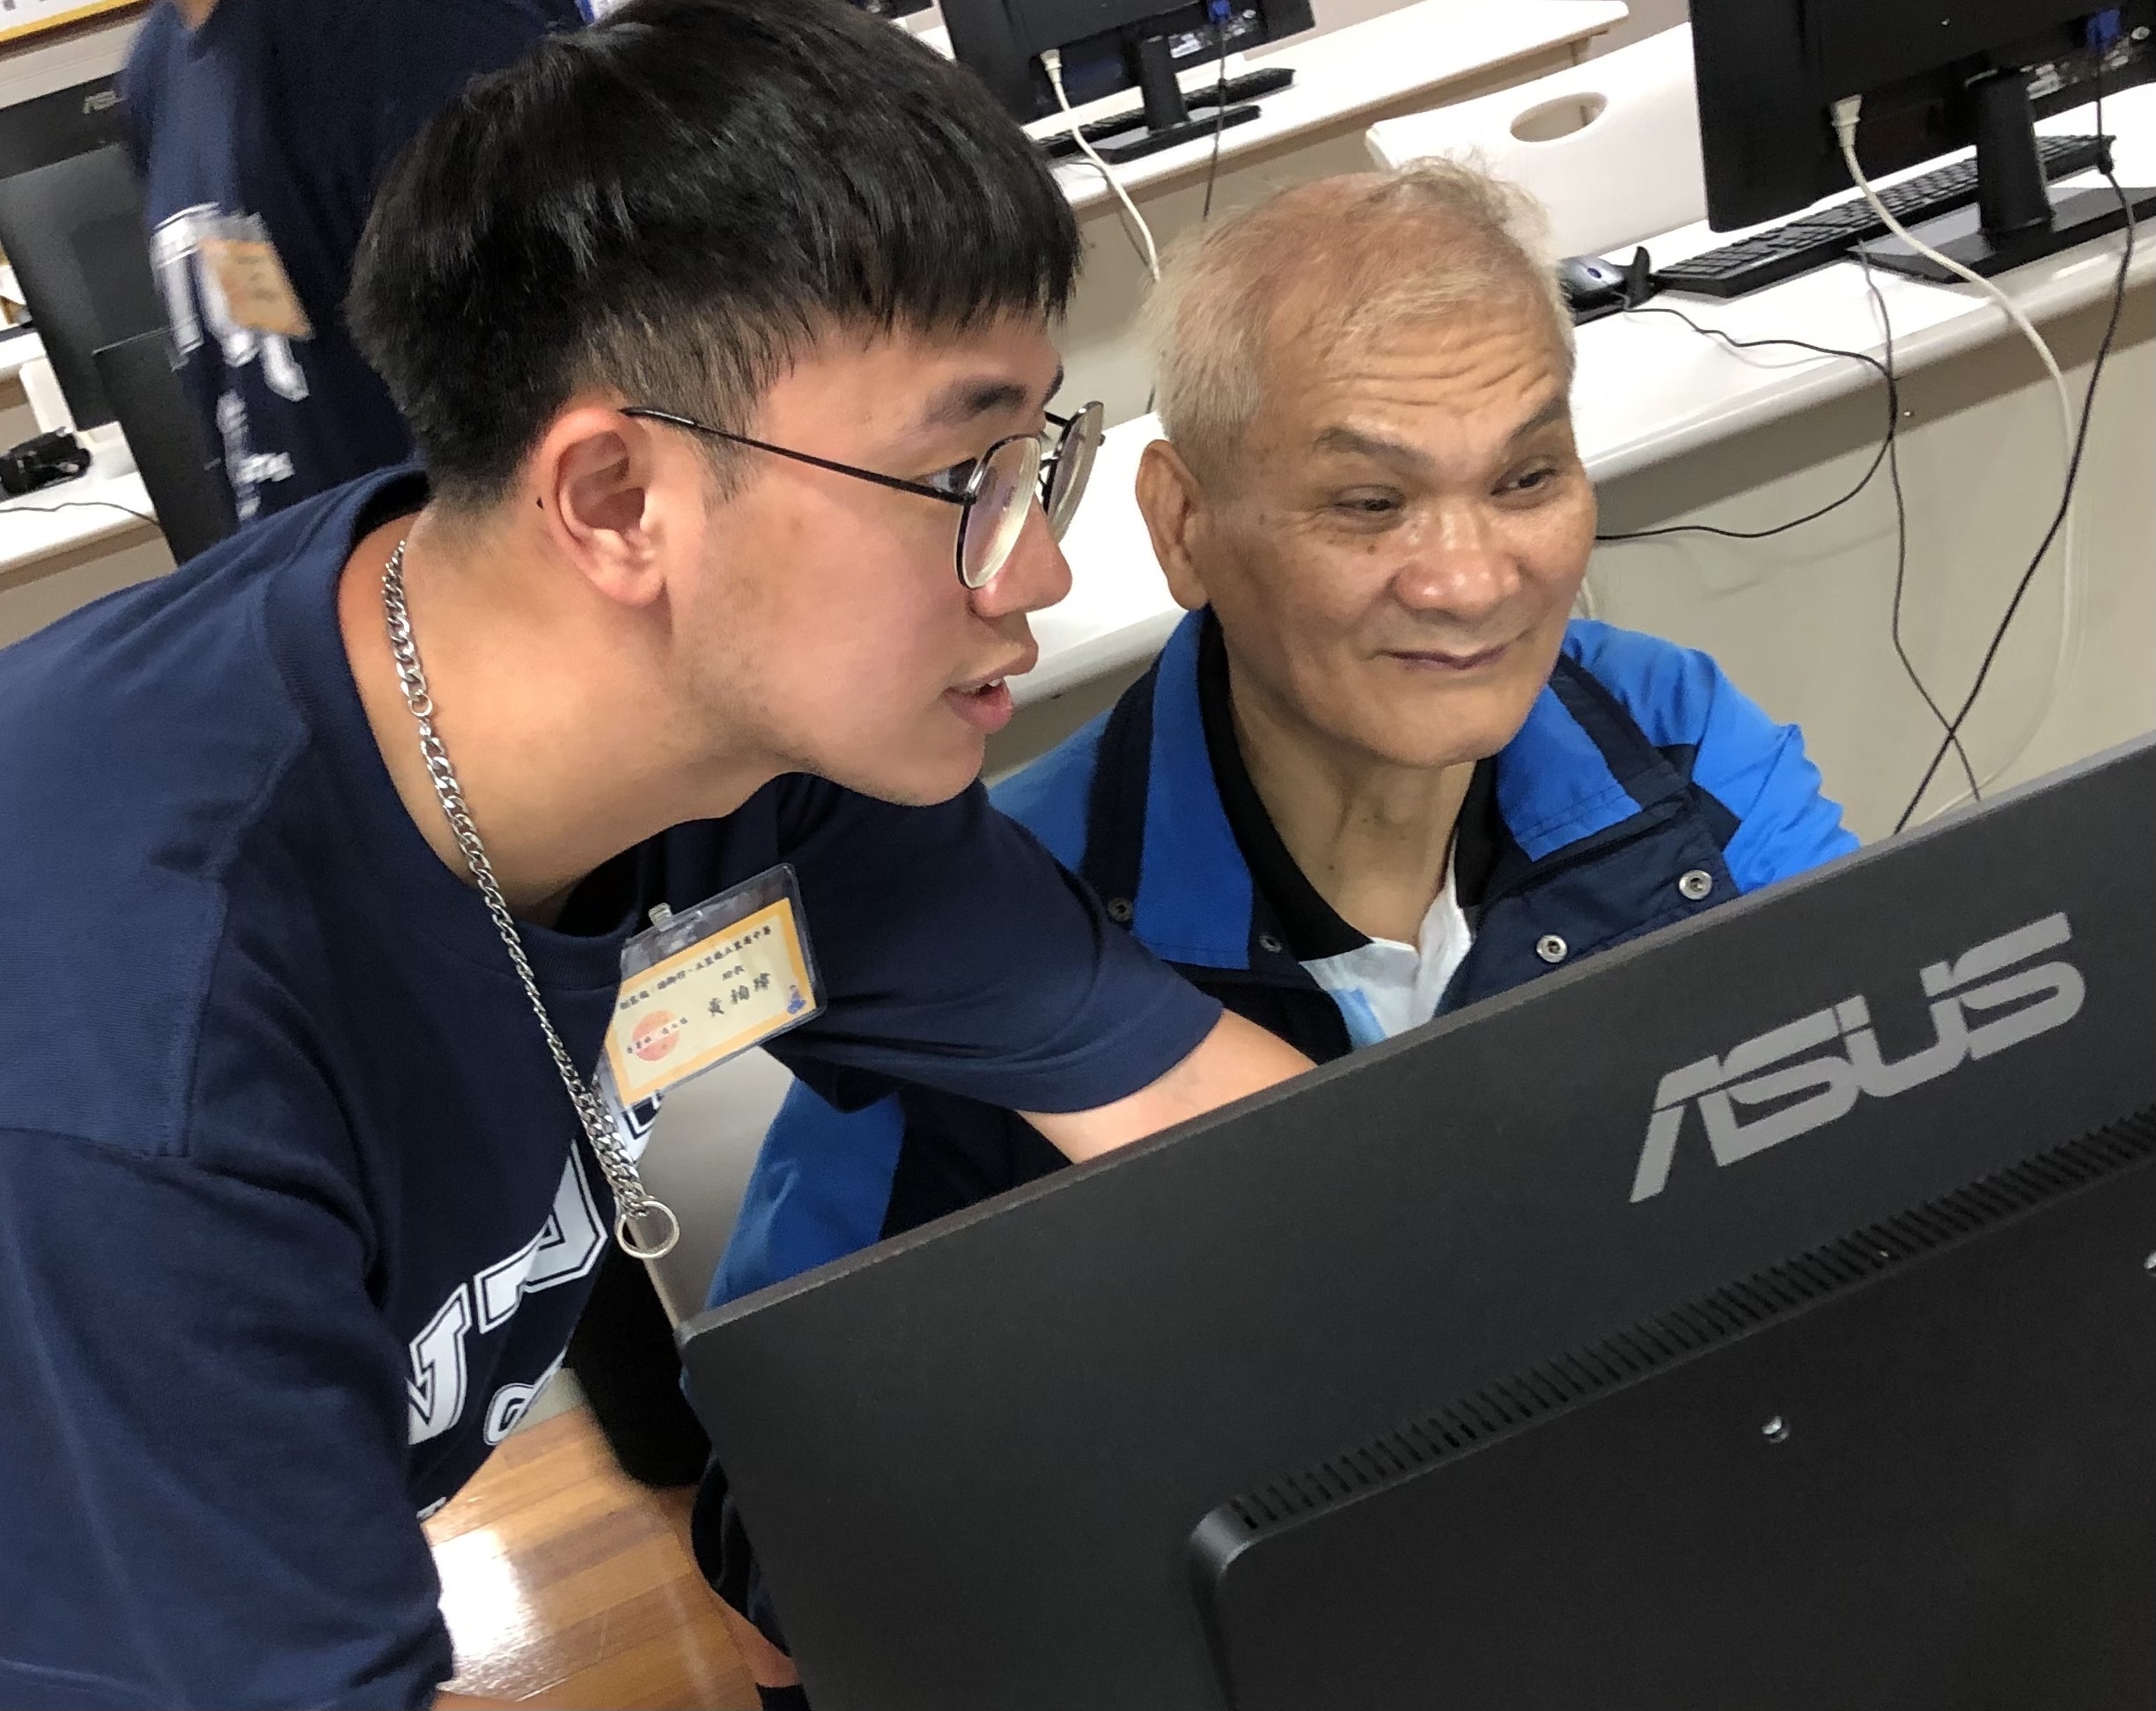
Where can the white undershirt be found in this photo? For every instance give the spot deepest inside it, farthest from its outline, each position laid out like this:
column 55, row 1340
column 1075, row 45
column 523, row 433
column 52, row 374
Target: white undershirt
column 1384, row 987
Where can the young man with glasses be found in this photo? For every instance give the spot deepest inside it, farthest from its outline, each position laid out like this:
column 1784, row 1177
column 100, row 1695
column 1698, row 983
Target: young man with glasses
column 321, row 855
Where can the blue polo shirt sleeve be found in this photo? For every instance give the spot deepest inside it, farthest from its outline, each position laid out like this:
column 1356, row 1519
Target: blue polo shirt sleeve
column 1755, row 767
column 956, row 954
column 202, row 1482
column 1788, row 825
column 819, row 1191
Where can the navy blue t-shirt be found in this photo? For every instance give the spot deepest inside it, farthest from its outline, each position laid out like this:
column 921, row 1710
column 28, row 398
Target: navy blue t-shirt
column 275, row 122
column 294, row 1214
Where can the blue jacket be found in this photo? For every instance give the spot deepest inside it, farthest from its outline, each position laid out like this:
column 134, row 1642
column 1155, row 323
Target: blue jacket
column 1640, row 768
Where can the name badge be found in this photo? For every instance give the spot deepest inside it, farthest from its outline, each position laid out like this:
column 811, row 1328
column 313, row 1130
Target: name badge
column 251, row 275
column 708, row 984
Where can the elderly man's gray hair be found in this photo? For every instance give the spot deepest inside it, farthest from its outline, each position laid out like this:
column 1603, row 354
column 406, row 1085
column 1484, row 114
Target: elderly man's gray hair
column 1328, row 265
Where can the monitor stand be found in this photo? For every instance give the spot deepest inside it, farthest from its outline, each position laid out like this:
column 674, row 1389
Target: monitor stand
column 2018, row 217
column 1166, row 115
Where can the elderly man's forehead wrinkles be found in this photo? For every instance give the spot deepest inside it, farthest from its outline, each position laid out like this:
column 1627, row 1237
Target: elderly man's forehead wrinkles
column 1556, row 409
column 1405, row 454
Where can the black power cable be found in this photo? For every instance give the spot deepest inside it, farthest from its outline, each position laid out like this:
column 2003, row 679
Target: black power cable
column 1901, row 547
column 2059, row 516
column 1221, row 110
column 1889, row 454
column 15, row 507
column 1894, row 401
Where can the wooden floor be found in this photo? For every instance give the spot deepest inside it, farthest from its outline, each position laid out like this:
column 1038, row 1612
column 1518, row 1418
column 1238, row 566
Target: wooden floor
column 566, row 1583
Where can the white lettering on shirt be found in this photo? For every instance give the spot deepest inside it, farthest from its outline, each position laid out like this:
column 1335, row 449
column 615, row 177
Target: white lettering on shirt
column 194, row 299
column 568, row 1245
column 434, row 1390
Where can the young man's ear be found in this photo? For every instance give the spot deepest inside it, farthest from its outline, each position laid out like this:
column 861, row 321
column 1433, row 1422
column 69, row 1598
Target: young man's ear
column 613, row 493
column 1173, row 507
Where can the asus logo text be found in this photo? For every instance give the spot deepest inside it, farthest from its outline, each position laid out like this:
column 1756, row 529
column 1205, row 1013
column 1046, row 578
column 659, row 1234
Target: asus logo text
column 1982, row 1003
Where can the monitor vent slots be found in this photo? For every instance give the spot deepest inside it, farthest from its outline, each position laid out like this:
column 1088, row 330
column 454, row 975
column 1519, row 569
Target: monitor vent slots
column 1514, row 1403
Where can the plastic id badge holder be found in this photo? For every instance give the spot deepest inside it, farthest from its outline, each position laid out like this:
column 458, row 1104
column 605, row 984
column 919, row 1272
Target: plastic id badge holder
column 707, row 985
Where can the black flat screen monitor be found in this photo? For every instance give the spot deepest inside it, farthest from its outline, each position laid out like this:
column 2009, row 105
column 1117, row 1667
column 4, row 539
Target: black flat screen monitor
column 181, row 469
column 67, row 122
column 74, row 232
column 1759, row 1316
column 1109, row 46
column 1934, row 78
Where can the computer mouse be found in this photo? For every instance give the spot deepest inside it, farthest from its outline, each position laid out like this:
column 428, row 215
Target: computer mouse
column 1590, row 282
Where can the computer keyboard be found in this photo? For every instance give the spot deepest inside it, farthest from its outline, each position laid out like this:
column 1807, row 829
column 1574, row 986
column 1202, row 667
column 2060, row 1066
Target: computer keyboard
column 1810, row 240
column 1062, row 146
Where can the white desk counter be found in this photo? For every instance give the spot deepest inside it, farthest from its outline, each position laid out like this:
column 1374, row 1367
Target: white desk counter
column 1423, row 55
column 72, row 541
column 88, row 512
column 1671, row 424
column 1651, row 389
column 18, row 350
column 66, row 545
column 1408, row 60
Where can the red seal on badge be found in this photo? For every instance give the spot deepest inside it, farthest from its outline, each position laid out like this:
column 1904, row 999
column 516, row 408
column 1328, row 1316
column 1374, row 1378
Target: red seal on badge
column 654, row 1036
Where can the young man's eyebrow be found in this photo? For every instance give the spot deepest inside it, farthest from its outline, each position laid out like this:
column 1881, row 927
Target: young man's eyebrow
column 972, row 396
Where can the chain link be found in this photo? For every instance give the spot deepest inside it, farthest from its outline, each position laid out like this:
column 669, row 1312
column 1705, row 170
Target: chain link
column 645, row 1227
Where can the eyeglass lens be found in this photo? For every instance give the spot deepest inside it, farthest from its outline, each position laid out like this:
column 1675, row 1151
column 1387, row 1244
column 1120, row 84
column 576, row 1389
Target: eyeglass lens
column 1072, row 468
column 997, row 515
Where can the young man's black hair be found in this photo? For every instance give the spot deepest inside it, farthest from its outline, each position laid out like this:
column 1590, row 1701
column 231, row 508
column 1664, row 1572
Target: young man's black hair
column 674, row 204
column 297, row 1207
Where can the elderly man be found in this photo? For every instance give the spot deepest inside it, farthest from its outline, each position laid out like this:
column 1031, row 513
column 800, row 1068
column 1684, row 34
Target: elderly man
column 1376, row 774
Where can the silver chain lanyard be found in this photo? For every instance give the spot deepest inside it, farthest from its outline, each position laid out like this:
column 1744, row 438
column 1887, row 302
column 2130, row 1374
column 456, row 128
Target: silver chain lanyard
column 645, row 1227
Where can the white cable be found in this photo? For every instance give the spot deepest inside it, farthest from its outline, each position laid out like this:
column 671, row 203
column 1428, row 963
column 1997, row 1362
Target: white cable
column 1844, row 116
column 1142, row 234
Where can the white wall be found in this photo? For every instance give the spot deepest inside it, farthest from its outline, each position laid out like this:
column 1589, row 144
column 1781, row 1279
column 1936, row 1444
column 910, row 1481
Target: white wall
column 39, row 70
column 1648, row 17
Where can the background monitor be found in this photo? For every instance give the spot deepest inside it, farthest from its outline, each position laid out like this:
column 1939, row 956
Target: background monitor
column 1934, row 80
column 69, row 122
column 1109, row 46
column 74, row 232
column 1742, row 1317
column 179, row 467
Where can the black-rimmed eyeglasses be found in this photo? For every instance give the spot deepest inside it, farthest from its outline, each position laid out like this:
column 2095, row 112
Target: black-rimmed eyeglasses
column 999, row 487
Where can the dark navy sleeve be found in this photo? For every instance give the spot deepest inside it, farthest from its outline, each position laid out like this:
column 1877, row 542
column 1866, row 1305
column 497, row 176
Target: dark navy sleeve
column 138, row 80
column 203, row 1498
column 956, row 953
column 445, row 45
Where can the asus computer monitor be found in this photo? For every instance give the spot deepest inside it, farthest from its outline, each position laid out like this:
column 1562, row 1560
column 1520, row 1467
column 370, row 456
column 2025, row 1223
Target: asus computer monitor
column 1760, row 1315
column 75, row 232
column 1110, row 46
column 182, row 469
column 67, row 122
column 1934, row 78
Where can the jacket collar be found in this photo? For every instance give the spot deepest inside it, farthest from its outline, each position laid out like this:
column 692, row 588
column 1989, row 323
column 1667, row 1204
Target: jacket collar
column 1579, row 768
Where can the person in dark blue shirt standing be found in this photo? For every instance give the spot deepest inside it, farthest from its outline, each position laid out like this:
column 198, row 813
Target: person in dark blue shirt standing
column 365, row 878
column 261, row 128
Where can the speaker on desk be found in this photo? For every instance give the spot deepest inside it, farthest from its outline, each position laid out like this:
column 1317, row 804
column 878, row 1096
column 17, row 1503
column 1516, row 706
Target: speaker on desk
column 177, row 465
